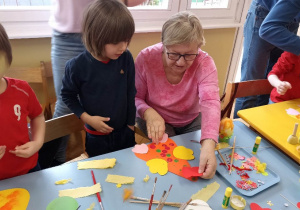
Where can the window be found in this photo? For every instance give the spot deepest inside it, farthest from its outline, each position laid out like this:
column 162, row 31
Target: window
column 29, row 18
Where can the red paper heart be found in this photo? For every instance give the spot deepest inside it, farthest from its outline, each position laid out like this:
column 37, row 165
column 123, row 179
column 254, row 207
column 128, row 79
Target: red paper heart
column 255, row 206
column 298, row 205
column 188, row 172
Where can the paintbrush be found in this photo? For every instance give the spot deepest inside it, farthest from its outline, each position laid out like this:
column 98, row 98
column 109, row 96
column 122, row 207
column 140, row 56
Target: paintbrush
column 232, row 154
column 161, row 199
column 98, row 194
column 151, row 199
column 222, row 158
column 174, row 204
column 185, row 205
column 161, row 205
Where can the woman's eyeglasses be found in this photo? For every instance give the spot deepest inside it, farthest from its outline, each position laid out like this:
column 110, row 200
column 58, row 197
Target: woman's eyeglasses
column 177, row 56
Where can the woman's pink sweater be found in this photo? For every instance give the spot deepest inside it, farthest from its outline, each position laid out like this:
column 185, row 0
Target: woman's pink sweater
column 181, row 103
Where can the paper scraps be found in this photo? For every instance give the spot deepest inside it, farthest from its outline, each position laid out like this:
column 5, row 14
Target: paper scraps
column 164, row 138
column 201, row 205
column 157, row 165
column 140, row 148
column 206, row 192
column 298, row 205
column 127, row 193
column 81, row 191
column 188, row 172
column 14, row 199
column 117, row 179
column 184, row 153
column 63, row 203
column 63, row 181
column 255, row 206
column 99, row 164
column 293, row 113
column 92, row 206
column 146, row 179
column 270, row 203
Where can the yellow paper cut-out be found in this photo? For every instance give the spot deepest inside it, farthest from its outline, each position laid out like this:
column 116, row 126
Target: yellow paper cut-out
column 14, row 199
column 99, row 164
column 146, row 179
column 184, row 153
column 117, row 179
column 119, row 185
column 206, row 193
column 157, row 165
column 81, row 191
column 92, row 206
column 63, row 181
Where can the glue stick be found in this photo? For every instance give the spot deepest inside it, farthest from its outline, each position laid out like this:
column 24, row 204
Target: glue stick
column 256, row 145
column 226, row 198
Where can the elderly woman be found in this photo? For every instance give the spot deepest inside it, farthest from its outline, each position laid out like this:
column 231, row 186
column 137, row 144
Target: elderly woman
column 177, row 88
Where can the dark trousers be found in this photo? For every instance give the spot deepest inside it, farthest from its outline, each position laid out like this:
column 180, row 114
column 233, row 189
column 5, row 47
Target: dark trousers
column 116, row 140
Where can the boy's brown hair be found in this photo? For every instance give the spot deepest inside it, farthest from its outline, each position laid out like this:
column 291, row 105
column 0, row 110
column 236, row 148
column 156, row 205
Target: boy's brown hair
column 5, row 44
column 106, row 22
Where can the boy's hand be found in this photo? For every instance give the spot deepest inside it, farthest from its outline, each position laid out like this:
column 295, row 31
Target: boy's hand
column 98, row 123
column 26, row 150
column 2, row 151
column 282, row 87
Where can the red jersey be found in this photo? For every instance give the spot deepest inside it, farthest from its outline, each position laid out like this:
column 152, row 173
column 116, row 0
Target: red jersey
column 287, row 69
column 16, row 104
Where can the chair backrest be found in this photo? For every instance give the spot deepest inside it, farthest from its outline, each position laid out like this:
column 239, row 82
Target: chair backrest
column 38, row 75
column 242, row 89
column 62, row 126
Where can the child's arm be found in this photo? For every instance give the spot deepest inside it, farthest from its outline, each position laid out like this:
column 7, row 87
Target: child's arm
column 2, row 151
column 97, row 122
column 38, row 134
column 281, row 86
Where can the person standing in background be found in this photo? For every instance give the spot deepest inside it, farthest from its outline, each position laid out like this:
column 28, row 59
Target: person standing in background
column 260, row 53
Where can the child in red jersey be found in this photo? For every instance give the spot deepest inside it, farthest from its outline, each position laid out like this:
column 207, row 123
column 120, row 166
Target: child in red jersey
column 285, row 78
column 18, row 154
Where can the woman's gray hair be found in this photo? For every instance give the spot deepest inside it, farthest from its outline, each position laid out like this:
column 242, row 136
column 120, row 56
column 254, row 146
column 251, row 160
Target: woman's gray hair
column 181, row 28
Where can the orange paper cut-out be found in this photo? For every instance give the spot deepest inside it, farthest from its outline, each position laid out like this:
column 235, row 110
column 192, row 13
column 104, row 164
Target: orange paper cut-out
column 14, row 199
column 165, row 151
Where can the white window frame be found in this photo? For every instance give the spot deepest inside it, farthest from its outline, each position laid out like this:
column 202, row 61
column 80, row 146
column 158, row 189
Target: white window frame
column 28, row 22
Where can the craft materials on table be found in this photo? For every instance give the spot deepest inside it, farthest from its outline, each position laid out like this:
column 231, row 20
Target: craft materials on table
column 163, row 200
column 63, row 203
column 117, row 179
column 99, row 164
column 225, row 130
column 226, row 198
column 256, row 145
column 14, row 199
column 182, row 207
column 207, row 192
column 250, row 175
column 232, row 153
column 81, row 191
column 164, row 151
column 224, row 161
column 237, row 202
column 152, row 195
column 293, row 139
column 98, row 194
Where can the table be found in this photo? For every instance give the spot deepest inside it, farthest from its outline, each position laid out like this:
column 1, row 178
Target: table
column 275, row 124
column 43, row 190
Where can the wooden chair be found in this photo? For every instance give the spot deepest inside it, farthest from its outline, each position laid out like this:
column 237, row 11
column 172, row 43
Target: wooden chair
column 67, row 125
column 38, row 75
column 242, row 89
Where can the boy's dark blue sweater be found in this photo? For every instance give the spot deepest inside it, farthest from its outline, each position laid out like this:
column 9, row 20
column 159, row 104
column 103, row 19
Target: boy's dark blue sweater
column 106, row 90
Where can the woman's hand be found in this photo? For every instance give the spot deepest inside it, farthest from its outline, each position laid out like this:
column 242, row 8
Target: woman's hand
column 208, row 161
column 155, row 125
column 2, row 151
column 97, row 122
